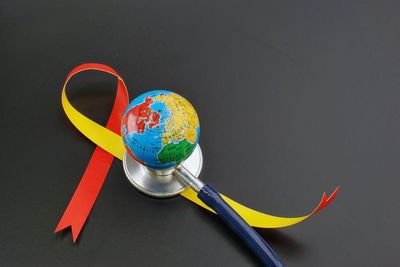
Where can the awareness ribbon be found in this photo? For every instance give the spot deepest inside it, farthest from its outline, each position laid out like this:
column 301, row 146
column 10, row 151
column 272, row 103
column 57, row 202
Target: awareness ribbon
column 109, row 145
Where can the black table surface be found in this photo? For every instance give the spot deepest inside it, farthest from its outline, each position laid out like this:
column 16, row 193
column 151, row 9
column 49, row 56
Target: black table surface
column 294, row 98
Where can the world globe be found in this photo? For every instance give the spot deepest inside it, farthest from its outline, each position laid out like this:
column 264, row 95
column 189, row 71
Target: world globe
column 160, row 129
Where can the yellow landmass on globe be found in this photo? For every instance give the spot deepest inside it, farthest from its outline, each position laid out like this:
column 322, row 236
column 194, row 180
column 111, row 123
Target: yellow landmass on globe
column 183, row 121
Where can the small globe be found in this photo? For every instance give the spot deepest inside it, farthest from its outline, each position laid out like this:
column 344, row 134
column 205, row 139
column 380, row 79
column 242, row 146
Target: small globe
column 160, row 129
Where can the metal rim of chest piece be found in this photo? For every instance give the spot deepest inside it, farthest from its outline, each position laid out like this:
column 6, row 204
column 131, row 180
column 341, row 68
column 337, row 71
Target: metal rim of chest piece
column 164, row 183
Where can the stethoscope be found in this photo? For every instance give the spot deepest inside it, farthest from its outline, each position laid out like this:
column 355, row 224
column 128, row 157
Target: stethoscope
column 171, row 181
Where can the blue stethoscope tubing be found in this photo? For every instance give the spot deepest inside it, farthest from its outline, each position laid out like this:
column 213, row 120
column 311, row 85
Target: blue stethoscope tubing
column 213, row 199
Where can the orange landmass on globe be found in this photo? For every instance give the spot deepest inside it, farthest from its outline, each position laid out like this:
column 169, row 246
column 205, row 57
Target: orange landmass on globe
column 183, row 122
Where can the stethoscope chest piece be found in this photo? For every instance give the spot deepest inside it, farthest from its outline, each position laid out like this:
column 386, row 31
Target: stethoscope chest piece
column 160, row 183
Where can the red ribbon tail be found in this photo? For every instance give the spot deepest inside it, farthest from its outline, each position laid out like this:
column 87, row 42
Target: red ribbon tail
column 86, row 193
column 325, row 201
column 74, row 222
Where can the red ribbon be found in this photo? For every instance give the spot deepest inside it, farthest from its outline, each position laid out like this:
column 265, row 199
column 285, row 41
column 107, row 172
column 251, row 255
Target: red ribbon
column 89, row 187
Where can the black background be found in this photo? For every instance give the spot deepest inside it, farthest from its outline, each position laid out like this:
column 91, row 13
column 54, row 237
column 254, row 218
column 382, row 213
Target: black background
column 294, row 98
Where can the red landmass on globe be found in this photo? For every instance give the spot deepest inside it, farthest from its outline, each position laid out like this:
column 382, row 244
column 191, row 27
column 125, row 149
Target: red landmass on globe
column 137, row 117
